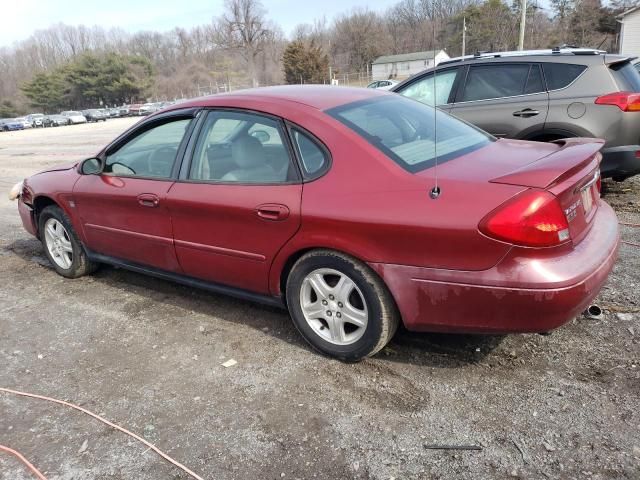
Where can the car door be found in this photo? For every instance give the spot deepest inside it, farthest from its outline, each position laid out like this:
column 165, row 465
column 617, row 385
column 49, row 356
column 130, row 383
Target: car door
column 504, row 99
column 238, row 200
column 425, row 87
column 123, row 210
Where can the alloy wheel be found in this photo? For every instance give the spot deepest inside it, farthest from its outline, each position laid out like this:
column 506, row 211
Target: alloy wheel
column 58, row 243
column 333, row 306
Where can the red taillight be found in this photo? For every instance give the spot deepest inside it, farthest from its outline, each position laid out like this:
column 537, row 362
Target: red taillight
column 532, row 219
column 625, row 101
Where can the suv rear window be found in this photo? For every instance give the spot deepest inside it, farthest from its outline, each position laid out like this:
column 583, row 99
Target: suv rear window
column 626, row 76
column 404, row 130
column 559, row 75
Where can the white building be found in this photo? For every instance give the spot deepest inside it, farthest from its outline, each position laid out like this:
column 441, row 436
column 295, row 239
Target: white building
column 629, row 36
column 405, row 64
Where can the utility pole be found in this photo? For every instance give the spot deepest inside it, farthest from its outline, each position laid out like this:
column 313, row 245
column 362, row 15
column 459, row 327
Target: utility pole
column 464, row 34
column 523, row 18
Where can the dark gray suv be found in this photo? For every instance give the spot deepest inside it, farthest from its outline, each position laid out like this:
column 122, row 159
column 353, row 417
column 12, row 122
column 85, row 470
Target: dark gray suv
column 543, row 95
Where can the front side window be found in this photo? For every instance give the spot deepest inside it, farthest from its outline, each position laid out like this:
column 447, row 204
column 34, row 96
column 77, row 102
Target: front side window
column 241, row 147
column 495, row 81
column 150, row 154
column 404, row 131
column 423, row 89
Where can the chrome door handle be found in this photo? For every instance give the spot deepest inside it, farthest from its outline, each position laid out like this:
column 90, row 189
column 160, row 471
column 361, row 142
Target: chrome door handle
column 526, row 113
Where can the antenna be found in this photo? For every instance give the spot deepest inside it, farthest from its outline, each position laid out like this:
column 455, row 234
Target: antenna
column 435, row 191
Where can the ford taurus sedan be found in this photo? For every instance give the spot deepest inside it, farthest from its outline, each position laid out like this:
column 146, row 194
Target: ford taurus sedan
column 355, row 209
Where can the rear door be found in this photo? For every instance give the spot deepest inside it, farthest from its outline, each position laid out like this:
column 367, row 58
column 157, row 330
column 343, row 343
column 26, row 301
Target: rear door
column 238, row 201
column 505, row 99
column 426, row 88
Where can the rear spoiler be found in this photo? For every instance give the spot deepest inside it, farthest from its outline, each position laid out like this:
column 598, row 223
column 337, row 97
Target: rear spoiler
column 573, row 155
column 615, row 59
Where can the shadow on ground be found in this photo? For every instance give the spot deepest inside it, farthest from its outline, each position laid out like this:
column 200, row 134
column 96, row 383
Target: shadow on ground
column 425, row 349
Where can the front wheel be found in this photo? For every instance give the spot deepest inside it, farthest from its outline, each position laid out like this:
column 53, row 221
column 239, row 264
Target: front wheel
column 340, row 306
column 61, row 244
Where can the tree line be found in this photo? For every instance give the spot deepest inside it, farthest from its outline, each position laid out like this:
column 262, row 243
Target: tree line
column 72, row 66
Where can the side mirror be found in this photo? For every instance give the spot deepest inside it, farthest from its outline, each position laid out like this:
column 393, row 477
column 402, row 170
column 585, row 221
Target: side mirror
column 91, row 166
column 261, row 136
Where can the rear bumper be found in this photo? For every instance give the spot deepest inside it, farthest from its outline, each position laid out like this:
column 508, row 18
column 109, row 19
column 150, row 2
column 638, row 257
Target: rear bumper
column 530, row 290
column 620, row 161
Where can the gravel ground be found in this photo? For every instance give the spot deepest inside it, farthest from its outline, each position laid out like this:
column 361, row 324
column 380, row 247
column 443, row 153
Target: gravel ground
column 147, row 355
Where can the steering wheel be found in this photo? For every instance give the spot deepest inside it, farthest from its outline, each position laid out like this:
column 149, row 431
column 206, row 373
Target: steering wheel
column 160, row 161
column 118, row 168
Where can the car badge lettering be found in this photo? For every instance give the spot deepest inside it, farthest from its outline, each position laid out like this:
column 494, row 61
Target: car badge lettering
column 572, row 210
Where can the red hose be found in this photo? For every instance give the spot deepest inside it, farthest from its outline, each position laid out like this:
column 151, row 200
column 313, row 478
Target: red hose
column 29, row 465
column 107, row 422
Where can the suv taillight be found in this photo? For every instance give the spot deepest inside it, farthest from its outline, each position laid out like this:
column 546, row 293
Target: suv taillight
column 625, row 101
column 532, row 219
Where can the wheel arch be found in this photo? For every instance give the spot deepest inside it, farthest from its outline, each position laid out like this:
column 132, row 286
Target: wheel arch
column 284, row 263
column 550, row 134
column 40, row 202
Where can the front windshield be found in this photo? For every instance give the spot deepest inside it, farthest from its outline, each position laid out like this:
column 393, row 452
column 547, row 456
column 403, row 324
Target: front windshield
column 405, row 130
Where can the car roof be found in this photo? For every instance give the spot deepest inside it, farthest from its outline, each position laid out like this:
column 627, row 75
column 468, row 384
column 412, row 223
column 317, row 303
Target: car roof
column 576, row 55
column 321, row 97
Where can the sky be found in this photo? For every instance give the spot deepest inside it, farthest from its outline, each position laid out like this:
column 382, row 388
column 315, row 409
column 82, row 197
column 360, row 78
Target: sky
column 20, row 18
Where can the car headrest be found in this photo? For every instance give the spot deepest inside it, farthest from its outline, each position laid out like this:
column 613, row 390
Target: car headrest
column 247, row 152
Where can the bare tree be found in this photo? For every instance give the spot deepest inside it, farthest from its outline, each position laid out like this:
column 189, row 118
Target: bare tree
column 243, row 28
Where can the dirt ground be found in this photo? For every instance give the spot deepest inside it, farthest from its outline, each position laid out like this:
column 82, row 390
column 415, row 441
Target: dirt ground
column 147, row 355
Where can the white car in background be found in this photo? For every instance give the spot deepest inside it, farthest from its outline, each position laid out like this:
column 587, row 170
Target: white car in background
column 382, row 84
column 149, row 108
column 36, row 120
column 25, row 122
column 74, row 117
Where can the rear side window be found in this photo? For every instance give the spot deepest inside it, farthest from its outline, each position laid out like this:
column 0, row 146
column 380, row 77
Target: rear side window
column 314, row 159
column 405, row 131
column 495, row 81
column 534, row 82
column 626, row 76
column 559, row 75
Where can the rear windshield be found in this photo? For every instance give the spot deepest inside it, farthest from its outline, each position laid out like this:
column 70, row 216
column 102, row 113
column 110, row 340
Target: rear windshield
column 404, row 130
column 626, row 76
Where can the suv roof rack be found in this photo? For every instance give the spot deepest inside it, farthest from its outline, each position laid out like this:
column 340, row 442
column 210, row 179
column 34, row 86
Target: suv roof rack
column 563, row 50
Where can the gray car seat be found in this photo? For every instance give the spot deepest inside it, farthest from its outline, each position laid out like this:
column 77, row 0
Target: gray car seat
column 250, row 158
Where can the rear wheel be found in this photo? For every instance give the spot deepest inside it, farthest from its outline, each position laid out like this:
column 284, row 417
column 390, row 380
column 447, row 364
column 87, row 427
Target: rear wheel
column 340, row 306
column 61, row 245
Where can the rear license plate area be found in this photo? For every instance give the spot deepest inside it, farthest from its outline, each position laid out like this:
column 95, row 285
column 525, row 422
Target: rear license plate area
column 587, row 198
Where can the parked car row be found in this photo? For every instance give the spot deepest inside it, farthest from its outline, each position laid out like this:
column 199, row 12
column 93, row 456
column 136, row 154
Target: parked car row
column 143, row 109
column 74, row 117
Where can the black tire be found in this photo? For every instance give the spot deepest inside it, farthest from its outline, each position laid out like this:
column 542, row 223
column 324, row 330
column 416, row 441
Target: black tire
column 80, row 264
column 383, row 317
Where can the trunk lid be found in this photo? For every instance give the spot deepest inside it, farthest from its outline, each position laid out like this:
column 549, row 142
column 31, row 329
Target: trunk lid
column 571, row 173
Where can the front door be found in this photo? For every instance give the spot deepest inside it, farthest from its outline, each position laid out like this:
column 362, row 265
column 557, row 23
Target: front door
column 239, row 202
column 124, row 210
column 507, row 100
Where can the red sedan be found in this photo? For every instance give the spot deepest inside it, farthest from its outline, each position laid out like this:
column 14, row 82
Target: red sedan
column 333, row 203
